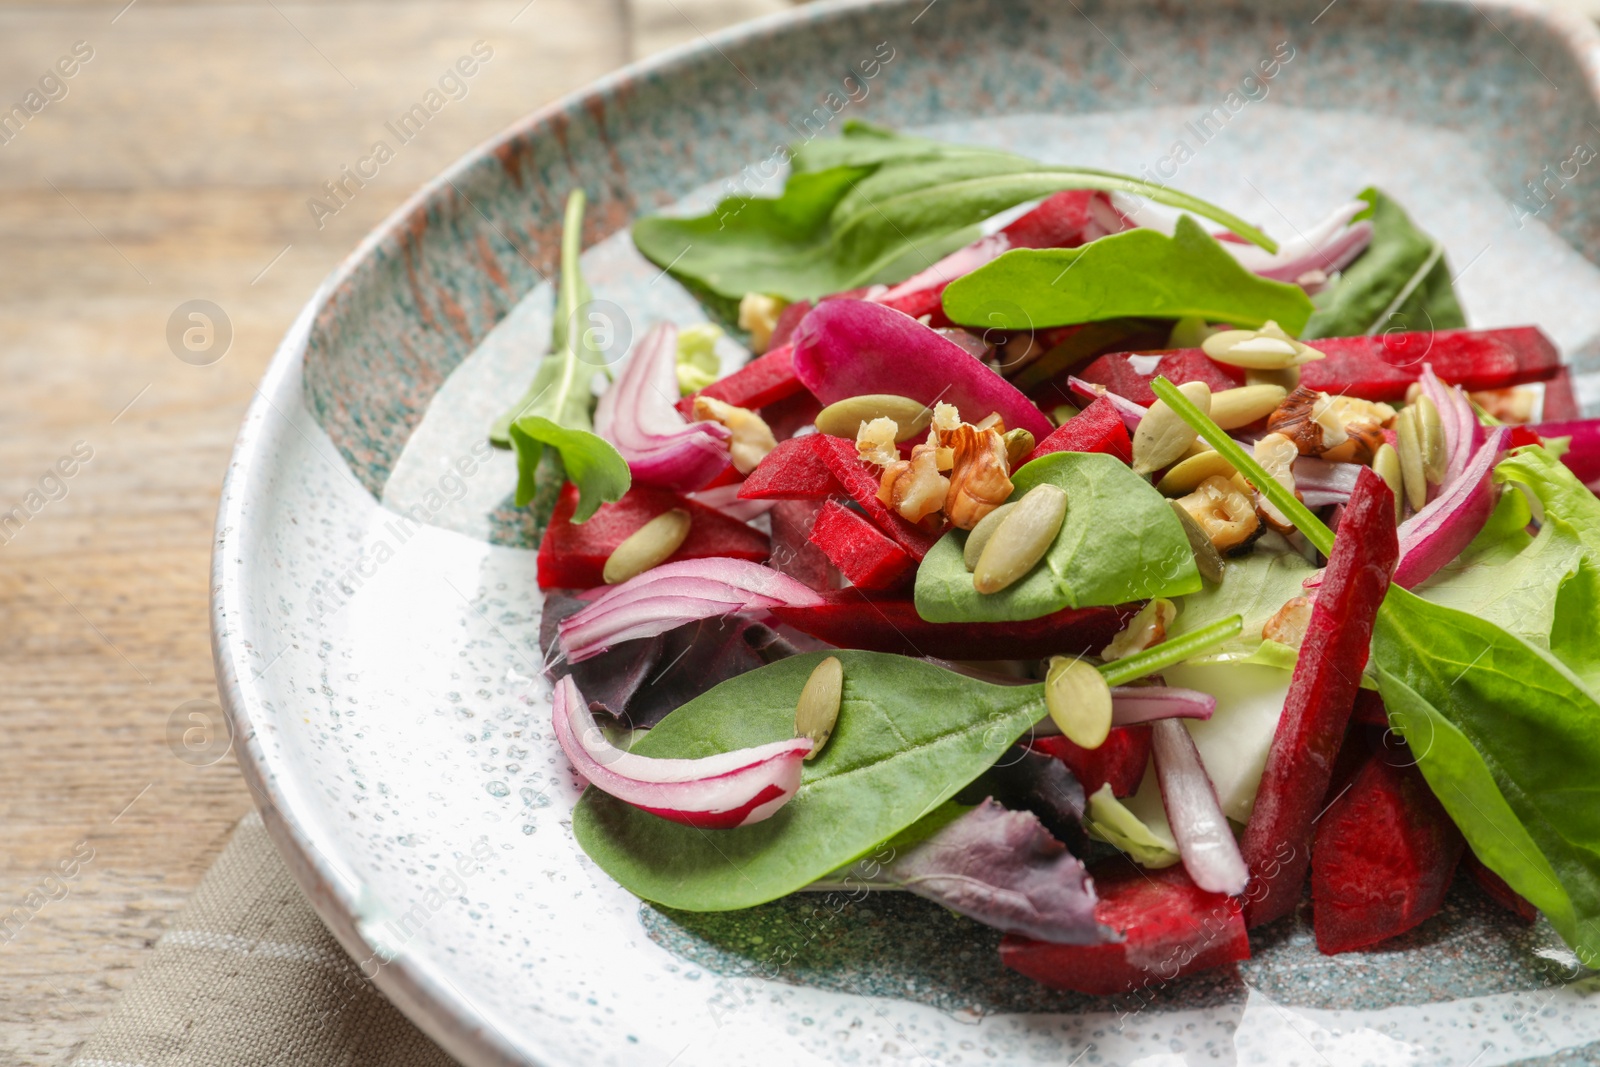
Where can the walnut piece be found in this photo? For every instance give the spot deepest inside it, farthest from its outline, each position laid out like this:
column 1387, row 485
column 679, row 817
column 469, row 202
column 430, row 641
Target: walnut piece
column 752, row 438
column 914, row 487
column 980, row 476
column 1224, row 512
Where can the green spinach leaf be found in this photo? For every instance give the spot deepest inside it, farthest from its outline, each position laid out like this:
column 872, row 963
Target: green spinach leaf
column 872, row 206
column 1135, row 273
column 1508, row 739
column 557, row 410
column 1119, row 542
column 1400, row 282
column 909, row 736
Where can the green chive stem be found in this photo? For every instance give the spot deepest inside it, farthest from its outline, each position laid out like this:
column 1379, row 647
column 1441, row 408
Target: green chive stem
column 1167, row 653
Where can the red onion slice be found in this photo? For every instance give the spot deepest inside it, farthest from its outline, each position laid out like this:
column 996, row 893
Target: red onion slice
column 1439, row 532
column 714, row 792
column 725, row 498
column 639, row 415
column 1462, row 431
column 1131, row 413
column 676, row 593
column 1205, row 841
column 1131, row 705
column 1311, row 473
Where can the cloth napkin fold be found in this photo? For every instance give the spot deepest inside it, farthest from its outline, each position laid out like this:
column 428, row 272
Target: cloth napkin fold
column 246, row 976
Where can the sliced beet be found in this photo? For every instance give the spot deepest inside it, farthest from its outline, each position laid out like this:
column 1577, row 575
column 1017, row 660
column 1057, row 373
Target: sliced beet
column 764, row 380
column 798, row 469
column 1129, row 374
column 863, row 553
column 1171, row 928
column 1382, row 366
column 573, row 555
column 1097, row 428
column 1317, row 708
column 851, row 619
column 789, row 416
column 1369, row 709
column 1498, row 890
column 1119, row 762
column 1385, row 853
column 792, row 551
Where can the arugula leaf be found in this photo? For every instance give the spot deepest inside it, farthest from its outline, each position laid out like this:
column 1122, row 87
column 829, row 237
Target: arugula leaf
column 909, row 736
column 853, row 209
column 1119, row 542
column 1253, row 586
column 1401, row 281
column 556, row 412
column 1508, row 739
column 1130, row 274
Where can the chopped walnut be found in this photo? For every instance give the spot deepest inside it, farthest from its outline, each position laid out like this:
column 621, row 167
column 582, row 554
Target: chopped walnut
column 914, row 487
column 758, row 314
column 1288, row 626
column 980, row 477
column 1515, row 405
column 1147, row 628
column 945, row 417
column 752, row 438
column 1224, row 512
column 875, row 441
column 1348, row 409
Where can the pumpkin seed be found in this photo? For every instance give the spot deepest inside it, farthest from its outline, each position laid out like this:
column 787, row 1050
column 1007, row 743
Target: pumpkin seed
column 1079, row 701
column 1185, row 476
column 1233, row 408
column 1431, row 440
column 648, row 546
column 818, row 709
column 1386, row 464
column 1062, row 412
column 981, row 533
column 1268, row 348
column 1408, row 442
column 1019, row 443
column 844, row 418
column 1288, row 379
column 1162, row 435
column 1021, row 539
column 1207, row 560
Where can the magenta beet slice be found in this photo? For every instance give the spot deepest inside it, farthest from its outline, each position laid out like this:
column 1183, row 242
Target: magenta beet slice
column 1129, row 374
column 850, row 618
column 1119, row 762
column 1097, row 428
column 1498, row 890
column 863, row 553
column 1322, row 694
column 764, row 380
column 1385, row 854
column 1171, row 928
column 792, row 551
column 573, row 555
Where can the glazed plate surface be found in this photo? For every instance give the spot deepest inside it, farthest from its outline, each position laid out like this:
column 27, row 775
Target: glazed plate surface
column 376, row 615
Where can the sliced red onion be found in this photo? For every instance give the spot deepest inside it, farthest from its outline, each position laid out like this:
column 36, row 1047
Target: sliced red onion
column 672, row 594
column 1131, row 413
column 1462, row 431
column 1320, row 475
column 1205, row 841
column 1330, row 245
column 1439, row 532
column 725, row 498
column 638, row 414
column 712, row 793
column 845, row 348
column 962, row 261
column 1321, row 498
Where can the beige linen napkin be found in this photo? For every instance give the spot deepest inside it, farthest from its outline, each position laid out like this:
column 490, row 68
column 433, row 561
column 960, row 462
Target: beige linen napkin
column 246, row 976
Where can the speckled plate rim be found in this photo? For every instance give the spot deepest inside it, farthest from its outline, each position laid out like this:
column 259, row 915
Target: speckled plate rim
column 428, row 998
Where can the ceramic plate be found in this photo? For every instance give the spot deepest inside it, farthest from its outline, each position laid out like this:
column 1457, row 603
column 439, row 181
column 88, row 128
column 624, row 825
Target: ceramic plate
column 376, row 615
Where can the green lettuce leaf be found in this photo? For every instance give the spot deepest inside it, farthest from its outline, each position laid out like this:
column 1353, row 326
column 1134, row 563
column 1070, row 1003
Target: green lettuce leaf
column 1109, row 820
column 1119, row 542
column 910, row 735
column 1509, row 740
column 1136, row 273
column 1400, row 282
column 1254, row 587
column 557, row 410
column 698, row 365
column 872, row 206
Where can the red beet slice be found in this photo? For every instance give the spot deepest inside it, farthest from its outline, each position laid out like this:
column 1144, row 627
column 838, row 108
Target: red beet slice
column 852, row 619
column 1120, row 761
column 1316, row 712
column 1097, row 428
column 862, row 552
column 1369, row 709
column 1560, row 399
column 798, row 469
column 1385, row 853
column 573, row 556
column 1498, row 890
column 1380, row 367
column 764, row 380
column 1119, row 372
column 792, row 551
column 1171, row 926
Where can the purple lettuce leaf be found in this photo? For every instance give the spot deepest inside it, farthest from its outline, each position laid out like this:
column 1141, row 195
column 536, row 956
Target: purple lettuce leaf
column 1023, row 780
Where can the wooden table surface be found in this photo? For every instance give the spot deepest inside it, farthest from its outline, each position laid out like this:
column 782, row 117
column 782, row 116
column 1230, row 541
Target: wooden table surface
column 175, row 164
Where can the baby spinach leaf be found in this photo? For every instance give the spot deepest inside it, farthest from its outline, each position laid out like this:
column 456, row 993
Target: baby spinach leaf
column 853, row 208
column 556, row 411
column 1253, row 586
column 1134, row 273
column 909, row 736
column 1400, row 282
column 1119, row 542
column 1508, row 739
